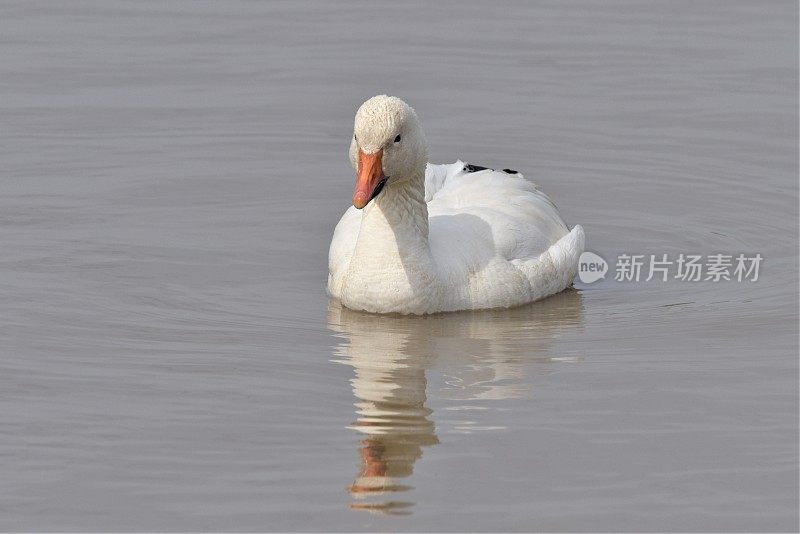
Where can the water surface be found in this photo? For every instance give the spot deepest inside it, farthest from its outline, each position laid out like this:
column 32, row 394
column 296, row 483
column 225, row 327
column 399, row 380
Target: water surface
column 171, row 175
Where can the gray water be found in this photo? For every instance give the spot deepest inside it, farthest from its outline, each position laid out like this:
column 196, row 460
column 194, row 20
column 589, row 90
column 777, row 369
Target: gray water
column 170, row 177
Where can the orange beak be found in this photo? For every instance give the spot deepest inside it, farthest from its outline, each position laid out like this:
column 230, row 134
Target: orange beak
column 370, row 178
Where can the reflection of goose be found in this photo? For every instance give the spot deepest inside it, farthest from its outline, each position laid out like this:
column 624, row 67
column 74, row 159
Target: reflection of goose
column 482, row 355
column 452, row 237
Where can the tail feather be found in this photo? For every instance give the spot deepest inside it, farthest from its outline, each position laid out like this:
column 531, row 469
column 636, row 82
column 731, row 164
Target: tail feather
column 556, row 268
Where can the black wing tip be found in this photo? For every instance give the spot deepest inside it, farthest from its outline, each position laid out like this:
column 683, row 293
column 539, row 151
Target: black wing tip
column 475, row 168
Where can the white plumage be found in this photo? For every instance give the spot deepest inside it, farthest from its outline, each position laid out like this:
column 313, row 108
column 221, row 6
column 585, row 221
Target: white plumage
column 441, row 237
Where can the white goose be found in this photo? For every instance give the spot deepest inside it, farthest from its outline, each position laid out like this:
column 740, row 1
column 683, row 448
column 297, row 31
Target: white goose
column 443, row 237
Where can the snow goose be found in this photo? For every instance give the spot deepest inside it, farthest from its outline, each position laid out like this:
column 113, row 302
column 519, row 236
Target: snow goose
column 422, row 238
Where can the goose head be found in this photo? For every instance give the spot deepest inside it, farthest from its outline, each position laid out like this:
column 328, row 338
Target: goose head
column 387, row 148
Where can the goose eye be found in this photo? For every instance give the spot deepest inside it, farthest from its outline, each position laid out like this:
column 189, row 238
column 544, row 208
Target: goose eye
column 397, row 139
column 355, row 138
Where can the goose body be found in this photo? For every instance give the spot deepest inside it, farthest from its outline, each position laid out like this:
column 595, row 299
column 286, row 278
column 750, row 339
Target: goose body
column 423, row 238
